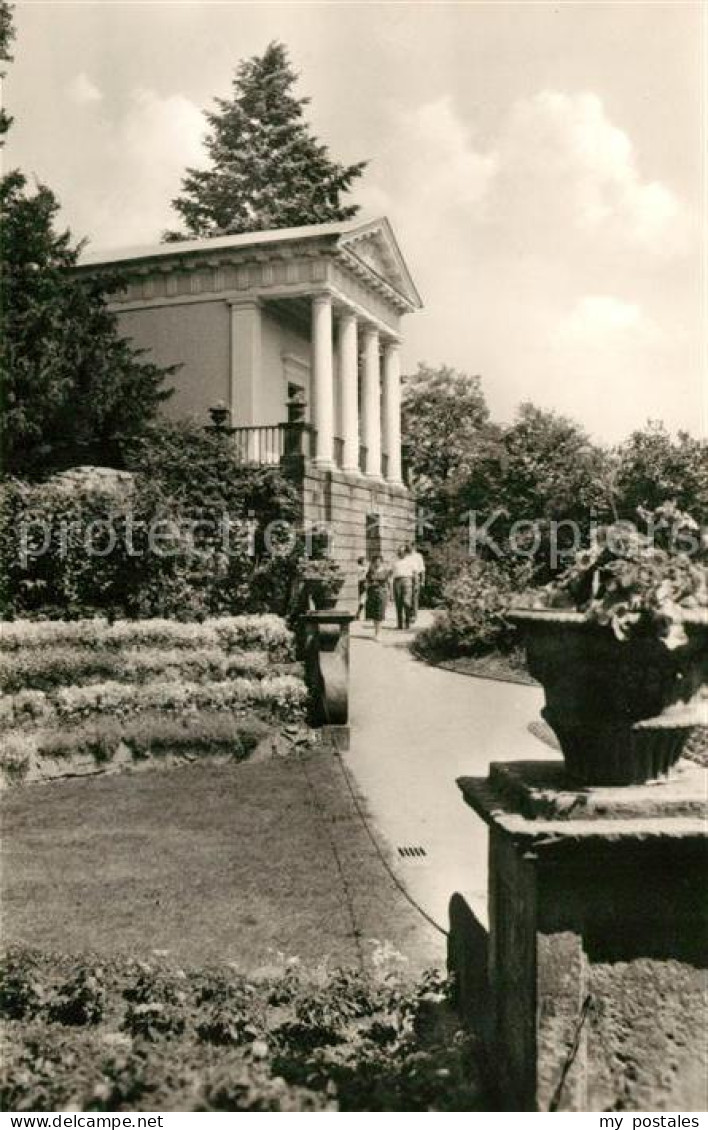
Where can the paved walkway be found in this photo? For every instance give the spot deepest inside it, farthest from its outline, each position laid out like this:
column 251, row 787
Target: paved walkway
column 415, row 729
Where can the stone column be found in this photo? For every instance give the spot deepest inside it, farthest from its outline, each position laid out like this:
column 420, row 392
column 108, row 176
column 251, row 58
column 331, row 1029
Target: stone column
column 392, row 411
column 322, row 378
column 372, row 402
column 348, row 376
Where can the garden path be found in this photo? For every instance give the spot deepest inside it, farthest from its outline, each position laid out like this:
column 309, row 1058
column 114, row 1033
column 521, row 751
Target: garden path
column 414, row 730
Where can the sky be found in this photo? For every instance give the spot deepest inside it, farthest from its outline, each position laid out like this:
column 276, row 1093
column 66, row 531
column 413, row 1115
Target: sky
column 541, row 164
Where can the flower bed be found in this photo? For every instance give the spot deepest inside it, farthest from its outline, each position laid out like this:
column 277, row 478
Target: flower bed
column 128, row 1036
column 267, row 633
column 92, row 688
column 281, row 696
column 55, row 666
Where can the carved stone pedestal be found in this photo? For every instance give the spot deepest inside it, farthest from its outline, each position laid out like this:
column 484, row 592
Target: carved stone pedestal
column 326, row 655
column 597, row 946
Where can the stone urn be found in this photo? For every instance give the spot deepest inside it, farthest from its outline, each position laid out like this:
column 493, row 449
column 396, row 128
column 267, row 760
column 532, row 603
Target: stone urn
column 622, row 710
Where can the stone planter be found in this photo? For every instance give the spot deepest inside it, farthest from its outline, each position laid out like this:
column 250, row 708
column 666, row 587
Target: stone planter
column 326, row 658
column 321, row 594
column 622, row 711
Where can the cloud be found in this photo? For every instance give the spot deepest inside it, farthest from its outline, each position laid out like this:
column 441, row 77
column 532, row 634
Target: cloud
column 558, row 169
column 430, row 171
column 144, row 158
column 605, row 322
column 83, row 91
column 562, row 158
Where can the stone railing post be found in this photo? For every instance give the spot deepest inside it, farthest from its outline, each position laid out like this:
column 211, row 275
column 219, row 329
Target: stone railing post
column 597, row 959
column 326, row 657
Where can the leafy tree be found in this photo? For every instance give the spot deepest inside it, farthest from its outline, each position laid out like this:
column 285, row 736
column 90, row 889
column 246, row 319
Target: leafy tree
column 654, row 467
column 446, row 432
column 267, row 170
column 74, row 390
column 7, row 34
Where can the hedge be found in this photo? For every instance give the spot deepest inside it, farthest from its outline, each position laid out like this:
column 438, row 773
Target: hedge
column 47, row 668
column 145, row 736
column 117, row 1035
column 282, row 696
column 266, row 632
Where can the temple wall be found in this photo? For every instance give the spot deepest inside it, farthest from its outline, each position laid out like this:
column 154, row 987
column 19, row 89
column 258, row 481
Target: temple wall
column 194, row 334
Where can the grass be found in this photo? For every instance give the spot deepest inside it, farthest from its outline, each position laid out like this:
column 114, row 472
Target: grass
column 204, row 862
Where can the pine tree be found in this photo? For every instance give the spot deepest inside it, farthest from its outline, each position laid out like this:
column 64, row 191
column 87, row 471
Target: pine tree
column 267, row 170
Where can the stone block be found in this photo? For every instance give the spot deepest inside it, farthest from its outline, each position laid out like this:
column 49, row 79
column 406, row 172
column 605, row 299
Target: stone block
column 598, row 929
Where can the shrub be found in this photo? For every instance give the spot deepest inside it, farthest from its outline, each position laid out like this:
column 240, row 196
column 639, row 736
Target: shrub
column 202, row 733
column 51, row 667
column 151, row 1037
column 473, row 620
column 186, row 483
column 266, row 632
column 82, row 999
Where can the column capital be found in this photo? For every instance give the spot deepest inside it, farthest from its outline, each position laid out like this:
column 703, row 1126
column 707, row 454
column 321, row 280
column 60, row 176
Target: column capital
column 321, row 298
column 244, row 303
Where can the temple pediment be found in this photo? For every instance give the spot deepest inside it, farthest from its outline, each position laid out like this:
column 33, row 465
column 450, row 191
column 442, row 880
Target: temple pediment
column 373, row 245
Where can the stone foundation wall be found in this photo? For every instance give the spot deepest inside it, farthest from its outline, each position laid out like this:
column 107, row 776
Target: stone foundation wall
column 364, row 517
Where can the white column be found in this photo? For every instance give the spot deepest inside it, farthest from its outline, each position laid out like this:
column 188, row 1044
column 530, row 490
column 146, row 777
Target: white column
column 322, row 378
column 392, row 411
column 348, row 378
column 371, row 402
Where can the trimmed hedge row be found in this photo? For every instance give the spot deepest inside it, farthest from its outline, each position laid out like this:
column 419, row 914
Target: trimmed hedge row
column 145, row 736
column 47, row 668
column 282, row 696
column 94, row 689
column 231, row 633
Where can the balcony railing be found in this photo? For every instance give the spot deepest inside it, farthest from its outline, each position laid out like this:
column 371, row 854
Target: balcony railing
column 268, row 444
column 264, row 446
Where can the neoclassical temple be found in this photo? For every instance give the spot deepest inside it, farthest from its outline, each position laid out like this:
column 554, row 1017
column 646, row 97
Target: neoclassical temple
column 287, row 327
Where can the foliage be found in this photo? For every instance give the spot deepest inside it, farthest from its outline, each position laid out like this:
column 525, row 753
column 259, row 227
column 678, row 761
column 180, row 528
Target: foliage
column 632, row 582
column 168, row 1039
column 90, row 688
column 445, row 428
column 321, row 579
column 188, row 539
column 653, row 466
column 473, row 621
column 60, row 666
column 152, row 734
column 74, row 390
column 7, row 34
column 230, row 633
column 279, row 696
column 267, row 170
column 539, row 495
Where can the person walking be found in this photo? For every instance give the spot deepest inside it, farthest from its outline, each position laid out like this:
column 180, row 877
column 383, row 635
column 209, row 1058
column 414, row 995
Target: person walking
column 362, row 573
column 403, row 580
column 418, row 580
column 377, row 581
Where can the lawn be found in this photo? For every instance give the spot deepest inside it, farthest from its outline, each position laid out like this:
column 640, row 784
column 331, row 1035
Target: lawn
column 205, row 863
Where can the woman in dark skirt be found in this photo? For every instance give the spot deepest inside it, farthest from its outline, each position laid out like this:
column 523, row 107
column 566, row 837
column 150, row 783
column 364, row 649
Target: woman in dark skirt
column 377, row 592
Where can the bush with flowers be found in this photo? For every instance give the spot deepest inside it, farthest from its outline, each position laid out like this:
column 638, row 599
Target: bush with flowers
column 642, row 579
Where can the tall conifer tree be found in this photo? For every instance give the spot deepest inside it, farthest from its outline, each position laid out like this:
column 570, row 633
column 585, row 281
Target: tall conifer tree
column 267, row 170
